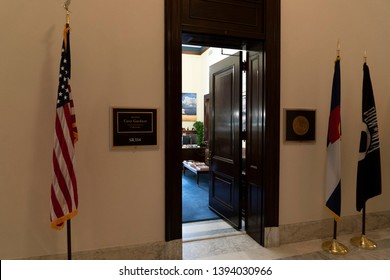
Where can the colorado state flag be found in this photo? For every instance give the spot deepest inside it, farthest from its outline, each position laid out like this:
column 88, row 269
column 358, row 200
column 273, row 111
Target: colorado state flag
column 333, row 166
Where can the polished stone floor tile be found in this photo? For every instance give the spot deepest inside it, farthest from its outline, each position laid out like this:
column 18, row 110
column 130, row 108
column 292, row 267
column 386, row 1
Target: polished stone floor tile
column 216, row 240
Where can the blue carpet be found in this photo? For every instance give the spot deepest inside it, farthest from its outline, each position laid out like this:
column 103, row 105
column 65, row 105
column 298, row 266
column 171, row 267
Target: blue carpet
column 196, row 198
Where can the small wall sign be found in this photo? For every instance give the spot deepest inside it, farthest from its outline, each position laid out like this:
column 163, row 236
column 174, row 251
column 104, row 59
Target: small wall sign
column 132, row 127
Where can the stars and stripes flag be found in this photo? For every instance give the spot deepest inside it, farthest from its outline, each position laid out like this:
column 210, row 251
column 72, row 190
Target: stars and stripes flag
column 368, row 182
column 64, row 198
column 333, row 167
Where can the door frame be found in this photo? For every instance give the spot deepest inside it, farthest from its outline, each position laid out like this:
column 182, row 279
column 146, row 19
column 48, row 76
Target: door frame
column 173, row 90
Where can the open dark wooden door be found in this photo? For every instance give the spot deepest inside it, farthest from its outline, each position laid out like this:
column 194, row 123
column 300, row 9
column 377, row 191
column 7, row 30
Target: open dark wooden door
column 224, row 139
column 255, row 123
column 191, row 22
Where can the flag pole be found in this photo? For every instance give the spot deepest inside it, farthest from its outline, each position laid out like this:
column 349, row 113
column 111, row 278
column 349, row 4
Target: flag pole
column 66, row 7
column 69, row 239
column 334, row 246
column 333, row 201
column 63, row 190
column 362, row 241
column 68, row 223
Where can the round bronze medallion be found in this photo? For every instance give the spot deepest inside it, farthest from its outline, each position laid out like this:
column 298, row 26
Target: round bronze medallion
column 300, row 125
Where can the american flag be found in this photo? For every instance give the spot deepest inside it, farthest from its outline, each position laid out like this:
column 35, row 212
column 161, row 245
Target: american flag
column 64, row 198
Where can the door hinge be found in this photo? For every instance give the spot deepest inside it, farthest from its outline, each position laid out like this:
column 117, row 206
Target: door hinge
column 243, row 135
column 244, row 66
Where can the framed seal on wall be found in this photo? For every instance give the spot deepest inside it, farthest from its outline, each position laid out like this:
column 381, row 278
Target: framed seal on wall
column 300, row 124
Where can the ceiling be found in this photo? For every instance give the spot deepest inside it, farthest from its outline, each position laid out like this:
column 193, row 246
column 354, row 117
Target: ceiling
column 193, row 49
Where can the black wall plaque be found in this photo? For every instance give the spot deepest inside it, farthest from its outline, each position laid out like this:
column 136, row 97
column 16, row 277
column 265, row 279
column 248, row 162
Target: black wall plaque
column 134, row 127
column 300, row 125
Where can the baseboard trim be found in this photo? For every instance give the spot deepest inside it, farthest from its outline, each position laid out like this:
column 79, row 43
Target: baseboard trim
column 274, row 237
column 171, row 250
column 324, row 228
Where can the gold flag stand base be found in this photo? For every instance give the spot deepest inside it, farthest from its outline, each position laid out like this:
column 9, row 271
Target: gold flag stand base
column 334, row 247
column 363, row 242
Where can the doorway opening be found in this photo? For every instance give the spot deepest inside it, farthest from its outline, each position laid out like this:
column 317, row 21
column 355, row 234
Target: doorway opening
column 200, row 218
column 253, row 26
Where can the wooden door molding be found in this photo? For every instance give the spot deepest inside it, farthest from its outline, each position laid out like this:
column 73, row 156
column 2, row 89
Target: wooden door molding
column 254, row 167
column 243, row 19
column 173, row 126
column 272, row 112
column 174, row 29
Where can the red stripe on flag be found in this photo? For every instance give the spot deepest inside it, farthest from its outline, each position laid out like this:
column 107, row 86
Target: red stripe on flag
column 61, row 183
column 334, row 125
column 56, row 205
column 70, row 125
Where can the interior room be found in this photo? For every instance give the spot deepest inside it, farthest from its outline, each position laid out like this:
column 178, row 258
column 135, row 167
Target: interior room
column 196, row 61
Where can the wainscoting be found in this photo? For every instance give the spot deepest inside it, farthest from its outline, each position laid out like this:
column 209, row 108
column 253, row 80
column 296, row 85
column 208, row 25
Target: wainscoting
column 215, row 240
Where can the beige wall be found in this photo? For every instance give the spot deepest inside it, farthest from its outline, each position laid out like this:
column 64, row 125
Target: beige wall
column 310, row 32
column 195, row 76
column 118, row 60
column 192, row 83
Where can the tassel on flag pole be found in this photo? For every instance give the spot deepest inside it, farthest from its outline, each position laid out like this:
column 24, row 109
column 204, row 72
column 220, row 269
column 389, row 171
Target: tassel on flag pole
column 369, row 182
column 333, row 166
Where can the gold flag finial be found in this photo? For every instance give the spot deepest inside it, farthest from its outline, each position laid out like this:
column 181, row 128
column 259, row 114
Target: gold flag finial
column 66, row 4
column 67, row 22
column 365, row 56
column 66, row 7
column 338, row 49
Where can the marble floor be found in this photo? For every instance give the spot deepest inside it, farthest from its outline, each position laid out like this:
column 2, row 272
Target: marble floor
column 216, row 240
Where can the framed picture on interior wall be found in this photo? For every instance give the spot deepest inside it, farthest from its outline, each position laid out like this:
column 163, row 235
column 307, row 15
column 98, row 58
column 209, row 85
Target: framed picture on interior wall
column 300, row 124
column 188, row 107
column 133, row 127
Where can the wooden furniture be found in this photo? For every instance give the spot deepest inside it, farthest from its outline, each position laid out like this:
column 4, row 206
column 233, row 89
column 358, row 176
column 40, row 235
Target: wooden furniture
column 193, row 153
column 195, row 167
